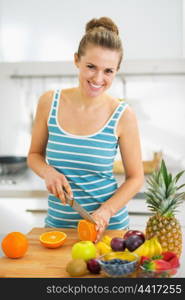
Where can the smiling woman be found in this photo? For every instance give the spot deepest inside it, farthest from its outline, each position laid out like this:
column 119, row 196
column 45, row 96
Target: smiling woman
column 76, row 135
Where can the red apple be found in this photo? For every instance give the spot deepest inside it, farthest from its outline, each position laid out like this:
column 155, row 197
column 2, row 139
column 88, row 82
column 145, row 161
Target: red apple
column 134, row 232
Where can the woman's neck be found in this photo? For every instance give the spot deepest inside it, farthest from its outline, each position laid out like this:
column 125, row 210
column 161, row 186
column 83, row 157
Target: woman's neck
column 84, row 101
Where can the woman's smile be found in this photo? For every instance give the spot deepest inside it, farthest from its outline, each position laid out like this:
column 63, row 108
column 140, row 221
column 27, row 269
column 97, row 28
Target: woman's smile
column 95, row 87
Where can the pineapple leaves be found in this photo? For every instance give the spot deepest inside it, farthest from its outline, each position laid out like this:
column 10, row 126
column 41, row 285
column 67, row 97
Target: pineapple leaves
column 164, row 172
column 179, row 175
column 161, row 195
column 179, row 187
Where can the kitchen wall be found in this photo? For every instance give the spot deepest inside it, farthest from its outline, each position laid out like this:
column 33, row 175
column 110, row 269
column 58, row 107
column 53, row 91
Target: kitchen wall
column 37, row 44
column 50, row 30
column 157, row 99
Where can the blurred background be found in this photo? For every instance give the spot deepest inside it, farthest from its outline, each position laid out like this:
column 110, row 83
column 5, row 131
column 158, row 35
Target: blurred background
column 38, row 40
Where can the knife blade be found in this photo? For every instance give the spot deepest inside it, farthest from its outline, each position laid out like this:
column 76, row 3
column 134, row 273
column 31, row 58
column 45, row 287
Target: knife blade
column 76, row 206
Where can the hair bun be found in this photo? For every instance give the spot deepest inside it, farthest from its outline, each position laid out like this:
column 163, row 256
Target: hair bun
column 104, row 22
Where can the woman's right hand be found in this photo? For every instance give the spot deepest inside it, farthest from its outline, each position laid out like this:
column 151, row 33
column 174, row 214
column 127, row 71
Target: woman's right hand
column 56, row 182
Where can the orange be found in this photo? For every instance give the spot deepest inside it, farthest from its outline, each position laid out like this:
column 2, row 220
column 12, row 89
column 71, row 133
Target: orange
column 14, row 244
column 86, row 231
column 53, row 239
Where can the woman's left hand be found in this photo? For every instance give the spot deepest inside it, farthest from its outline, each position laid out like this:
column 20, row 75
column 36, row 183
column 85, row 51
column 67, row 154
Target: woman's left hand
column 101, row 216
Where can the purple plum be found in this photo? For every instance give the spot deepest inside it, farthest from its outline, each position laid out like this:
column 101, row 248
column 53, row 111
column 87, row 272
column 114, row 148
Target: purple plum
column 93, row 266
column 134, row 232
column 133, row 242
column 118, row 244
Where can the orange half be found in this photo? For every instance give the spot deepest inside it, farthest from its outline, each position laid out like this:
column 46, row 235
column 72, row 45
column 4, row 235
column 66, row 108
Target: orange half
column 86, row 231
column 53, row 239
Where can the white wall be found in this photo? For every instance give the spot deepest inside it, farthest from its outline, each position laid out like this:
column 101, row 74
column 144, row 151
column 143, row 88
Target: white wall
column 183, row 27
column 51, row 29
column 158, row 100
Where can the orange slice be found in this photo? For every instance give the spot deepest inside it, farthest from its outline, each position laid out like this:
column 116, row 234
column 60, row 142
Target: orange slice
column 86, row 231
column 53, row 239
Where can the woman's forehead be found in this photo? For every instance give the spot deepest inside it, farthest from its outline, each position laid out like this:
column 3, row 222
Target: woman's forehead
column 101, row 56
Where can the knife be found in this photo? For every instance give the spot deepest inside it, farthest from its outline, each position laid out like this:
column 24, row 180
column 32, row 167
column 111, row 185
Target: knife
column 76, row 206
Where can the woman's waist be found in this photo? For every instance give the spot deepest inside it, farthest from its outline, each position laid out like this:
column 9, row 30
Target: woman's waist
column 66, row 212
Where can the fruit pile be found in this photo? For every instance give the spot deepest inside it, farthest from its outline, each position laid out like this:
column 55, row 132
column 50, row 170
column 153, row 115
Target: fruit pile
column 122, row 256
column 133, row 241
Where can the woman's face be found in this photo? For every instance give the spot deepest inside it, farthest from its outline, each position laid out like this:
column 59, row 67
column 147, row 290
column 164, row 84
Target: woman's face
column 97, row 69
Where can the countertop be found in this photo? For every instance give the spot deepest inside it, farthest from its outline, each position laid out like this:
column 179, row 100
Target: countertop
column 29, row 184
column 43, row 262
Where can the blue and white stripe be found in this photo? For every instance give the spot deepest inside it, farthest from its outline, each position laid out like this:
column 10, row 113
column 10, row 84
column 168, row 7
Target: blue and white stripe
column 87, row 163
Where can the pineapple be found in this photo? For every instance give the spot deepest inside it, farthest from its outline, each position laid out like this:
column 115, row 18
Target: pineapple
column 162, row 200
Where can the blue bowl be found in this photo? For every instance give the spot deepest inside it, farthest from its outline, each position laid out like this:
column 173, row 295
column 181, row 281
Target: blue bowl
column 119, row 267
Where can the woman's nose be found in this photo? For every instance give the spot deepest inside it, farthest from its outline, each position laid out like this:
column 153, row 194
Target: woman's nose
column 98, row 78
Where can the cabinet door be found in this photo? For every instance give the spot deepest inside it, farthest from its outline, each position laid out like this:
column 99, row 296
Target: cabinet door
column 22, row 214
column 139, row 213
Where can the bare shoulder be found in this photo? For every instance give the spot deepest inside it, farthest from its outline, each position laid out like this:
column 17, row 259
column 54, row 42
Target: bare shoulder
column 128, row 115
column 46, row 98
column 44, row 103
column 127, row 122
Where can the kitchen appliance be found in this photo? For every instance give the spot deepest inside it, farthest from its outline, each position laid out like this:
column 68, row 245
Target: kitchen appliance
column 76, row 206
column 10, row 165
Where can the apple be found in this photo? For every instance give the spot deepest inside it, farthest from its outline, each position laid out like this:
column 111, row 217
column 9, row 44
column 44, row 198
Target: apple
column 84, row 249
column 134, row 232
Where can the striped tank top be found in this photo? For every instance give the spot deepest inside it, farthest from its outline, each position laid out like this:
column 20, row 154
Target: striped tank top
column 87, row 163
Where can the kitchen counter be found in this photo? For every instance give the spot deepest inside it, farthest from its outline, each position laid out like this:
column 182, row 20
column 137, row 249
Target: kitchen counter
column 27, row 181
column 43, row 262
column 30, row 185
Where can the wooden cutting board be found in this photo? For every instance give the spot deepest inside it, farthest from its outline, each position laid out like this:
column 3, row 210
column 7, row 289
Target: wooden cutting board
column 43, row 262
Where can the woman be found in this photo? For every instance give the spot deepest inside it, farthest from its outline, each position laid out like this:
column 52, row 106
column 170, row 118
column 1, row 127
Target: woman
column 77, row 132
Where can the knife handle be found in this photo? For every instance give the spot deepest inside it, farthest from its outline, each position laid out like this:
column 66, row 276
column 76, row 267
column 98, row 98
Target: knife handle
column 68, row 198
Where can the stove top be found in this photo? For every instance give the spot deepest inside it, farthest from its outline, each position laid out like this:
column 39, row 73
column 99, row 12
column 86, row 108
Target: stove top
column 11, row 179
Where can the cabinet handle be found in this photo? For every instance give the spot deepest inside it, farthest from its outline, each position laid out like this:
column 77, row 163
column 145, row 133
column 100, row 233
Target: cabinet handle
column 138, row 213
column 35, row 211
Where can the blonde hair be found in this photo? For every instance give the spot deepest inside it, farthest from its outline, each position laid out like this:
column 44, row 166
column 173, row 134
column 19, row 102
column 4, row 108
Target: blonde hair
column 101, row 32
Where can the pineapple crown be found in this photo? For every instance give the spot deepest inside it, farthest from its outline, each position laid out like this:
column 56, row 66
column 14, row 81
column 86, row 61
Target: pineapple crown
column 161, row 196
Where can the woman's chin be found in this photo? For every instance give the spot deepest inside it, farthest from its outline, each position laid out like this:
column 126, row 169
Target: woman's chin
column 93, row 93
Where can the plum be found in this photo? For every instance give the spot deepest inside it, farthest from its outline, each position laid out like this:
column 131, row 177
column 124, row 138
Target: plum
column 133, row 242
column 93, row 266
column 118, row 244
column 134, row 232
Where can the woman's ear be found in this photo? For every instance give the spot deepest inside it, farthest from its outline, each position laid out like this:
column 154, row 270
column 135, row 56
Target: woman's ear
column 76, row 59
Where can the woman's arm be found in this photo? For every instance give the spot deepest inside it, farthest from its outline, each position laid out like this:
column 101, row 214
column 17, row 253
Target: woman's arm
column 54, row 180
column 36, row 155
column 129, row 144
column 130, row 149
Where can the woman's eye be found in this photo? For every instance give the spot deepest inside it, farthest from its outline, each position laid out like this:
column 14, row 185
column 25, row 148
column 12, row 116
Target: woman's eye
column 90, row 66
column 108, row 71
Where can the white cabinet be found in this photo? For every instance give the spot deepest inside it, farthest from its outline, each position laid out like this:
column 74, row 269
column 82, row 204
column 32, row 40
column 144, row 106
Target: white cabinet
column 22, row 214
column 139, row 214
